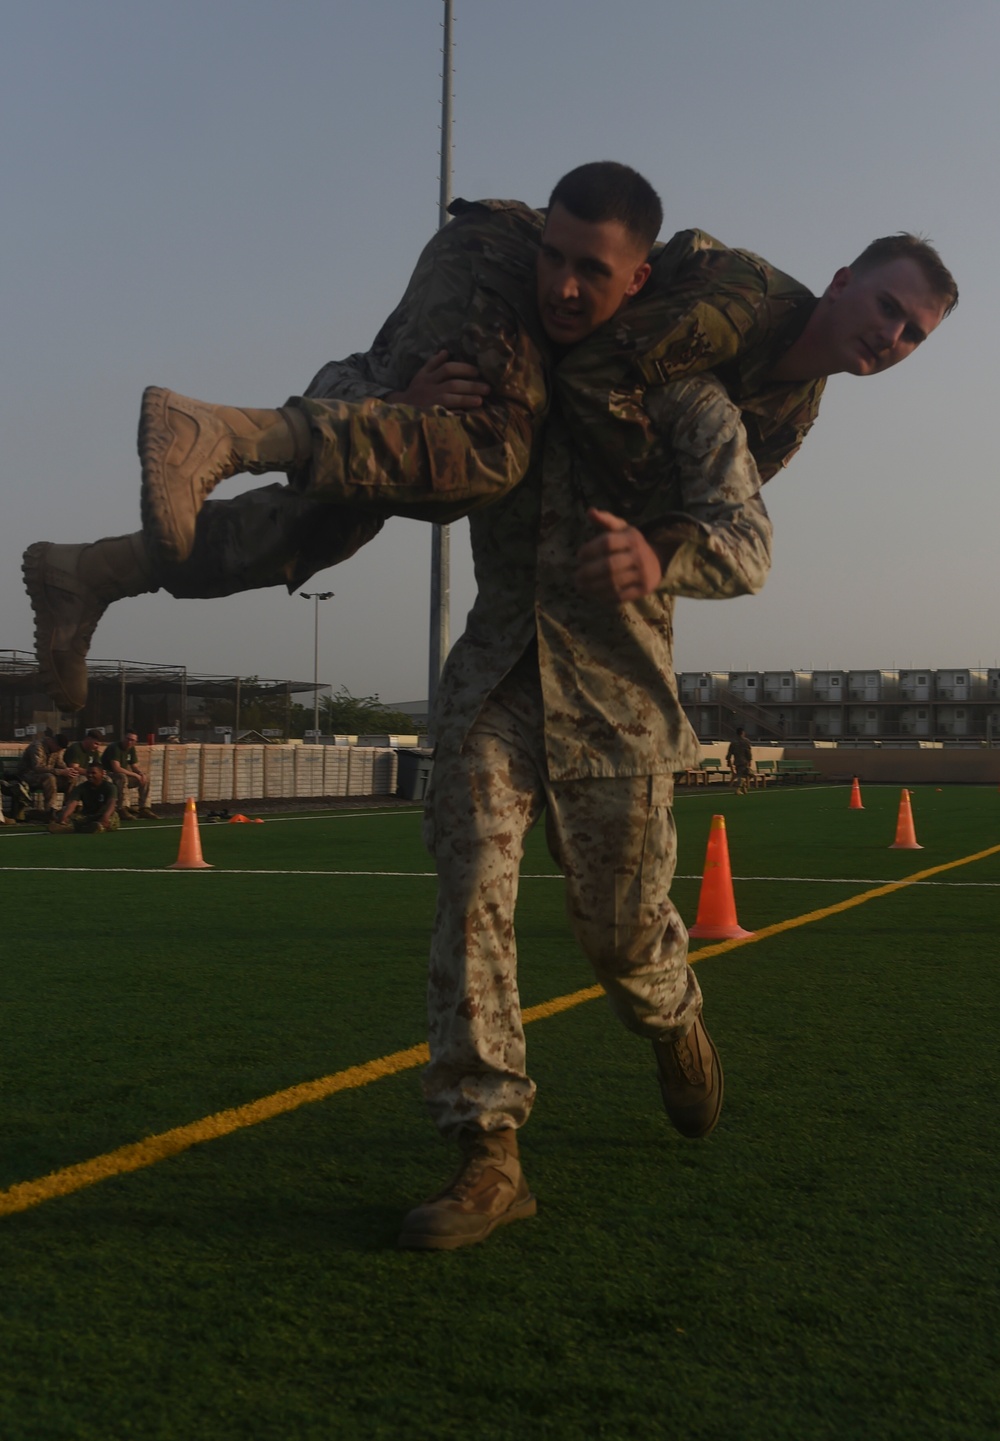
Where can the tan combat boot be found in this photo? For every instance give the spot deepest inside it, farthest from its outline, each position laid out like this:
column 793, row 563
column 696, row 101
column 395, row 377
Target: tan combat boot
column 187, row 448
column 487, row 1191
column 70, row 587
column 690, row 1081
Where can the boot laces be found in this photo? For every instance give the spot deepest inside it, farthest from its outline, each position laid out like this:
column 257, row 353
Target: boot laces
column 686, row 1055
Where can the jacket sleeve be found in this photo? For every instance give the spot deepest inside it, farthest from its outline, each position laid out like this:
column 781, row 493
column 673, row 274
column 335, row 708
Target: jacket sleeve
column 716, row 512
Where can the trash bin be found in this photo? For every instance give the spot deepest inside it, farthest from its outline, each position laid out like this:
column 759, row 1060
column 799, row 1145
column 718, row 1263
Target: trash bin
column 414, row 774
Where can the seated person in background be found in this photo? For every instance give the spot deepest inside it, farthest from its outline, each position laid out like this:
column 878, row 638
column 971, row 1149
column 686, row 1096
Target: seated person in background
column 84, row 752
column 121, row 763
column 90, row 806
column 36, row 773
column 66, row 775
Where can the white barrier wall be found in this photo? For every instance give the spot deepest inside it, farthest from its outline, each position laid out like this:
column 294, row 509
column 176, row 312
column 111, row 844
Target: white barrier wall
column 253, row 772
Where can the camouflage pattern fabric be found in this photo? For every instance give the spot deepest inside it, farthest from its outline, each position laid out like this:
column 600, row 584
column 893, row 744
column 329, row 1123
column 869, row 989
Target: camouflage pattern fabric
column 35, row 770
column 611, row 705
column 87, row 826
column 617, row 844
column 274, row 535
column 470, row 294
column 705, row 307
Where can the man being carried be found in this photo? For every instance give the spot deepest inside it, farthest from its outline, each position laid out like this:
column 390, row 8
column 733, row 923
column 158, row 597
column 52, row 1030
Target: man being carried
column 362, row 437
column 90, row 806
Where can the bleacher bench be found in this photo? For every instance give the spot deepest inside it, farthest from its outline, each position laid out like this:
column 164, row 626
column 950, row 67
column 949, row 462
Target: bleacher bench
column 797, row 771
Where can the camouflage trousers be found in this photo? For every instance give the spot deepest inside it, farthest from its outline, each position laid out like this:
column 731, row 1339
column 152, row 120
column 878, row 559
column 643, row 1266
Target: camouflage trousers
column 87, row 825
column 616, row 842
column 123, row 784
column 272, row 535
column 44, row 781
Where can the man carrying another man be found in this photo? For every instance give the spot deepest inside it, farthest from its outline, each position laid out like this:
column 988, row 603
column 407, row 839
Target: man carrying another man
column 560, row 695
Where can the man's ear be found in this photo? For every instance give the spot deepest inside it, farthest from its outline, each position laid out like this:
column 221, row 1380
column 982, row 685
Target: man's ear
column 840, row 282
column 639, row 278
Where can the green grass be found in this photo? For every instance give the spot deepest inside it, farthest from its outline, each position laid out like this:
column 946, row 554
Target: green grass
column 823, row 1266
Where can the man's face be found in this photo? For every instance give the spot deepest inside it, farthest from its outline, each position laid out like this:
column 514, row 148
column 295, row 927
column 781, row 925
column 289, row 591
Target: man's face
column 95, row 774
column 586, row 272
column 875, row 318
column 130, row 739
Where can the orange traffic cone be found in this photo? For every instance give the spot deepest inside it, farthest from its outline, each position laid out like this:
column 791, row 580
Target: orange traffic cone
column 716, row 903
column 906, row 836
column 189, row 854
column 239, row 820
column 856, row 802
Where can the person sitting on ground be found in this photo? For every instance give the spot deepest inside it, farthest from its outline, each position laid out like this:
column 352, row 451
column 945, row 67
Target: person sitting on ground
column 739, row 758
column 121, row 763
column 91, row 806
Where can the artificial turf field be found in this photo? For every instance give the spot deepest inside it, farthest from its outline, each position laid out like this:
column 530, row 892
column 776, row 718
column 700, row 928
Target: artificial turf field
column 825, row 1265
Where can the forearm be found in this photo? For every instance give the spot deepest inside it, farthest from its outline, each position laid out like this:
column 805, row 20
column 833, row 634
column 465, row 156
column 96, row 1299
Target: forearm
column 401, row 456
column 726, row 556
column 715, row 540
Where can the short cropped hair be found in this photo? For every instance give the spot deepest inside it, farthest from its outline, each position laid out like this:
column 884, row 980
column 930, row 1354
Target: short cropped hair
column 904, row 246
column 608, row 190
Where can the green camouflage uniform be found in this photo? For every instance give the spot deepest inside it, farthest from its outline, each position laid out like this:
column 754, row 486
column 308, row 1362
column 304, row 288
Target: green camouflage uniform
column 472, row 294
column 705, row 307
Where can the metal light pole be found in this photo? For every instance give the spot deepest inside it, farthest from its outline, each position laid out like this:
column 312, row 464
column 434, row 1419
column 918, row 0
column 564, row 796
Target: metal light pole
column 440, row 535
column 316, row 596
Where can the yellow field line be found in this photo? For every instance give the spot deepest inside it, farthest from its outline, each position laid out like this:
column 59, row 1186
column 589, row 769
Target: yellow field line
column 135, row 1157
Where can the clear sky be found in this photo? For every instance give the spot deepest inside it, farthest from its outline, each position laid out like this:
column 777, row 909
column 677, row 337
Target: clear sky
column 220, row 195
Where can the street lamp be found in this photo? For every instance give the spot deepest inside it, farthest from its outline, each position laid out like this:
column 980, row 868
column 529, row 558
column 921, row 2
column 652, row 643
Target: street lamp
column 316, row 596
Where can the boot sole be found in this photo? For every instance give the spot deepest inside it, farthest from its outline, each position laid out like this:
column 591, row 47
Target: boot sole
column 33, row 566
column 158, row 526
column 427, row 1241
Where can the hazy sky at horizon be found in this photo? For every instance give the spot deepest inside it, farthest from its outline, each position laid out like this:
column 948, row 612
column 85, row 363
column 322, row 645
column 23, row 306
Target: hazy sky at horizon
column 220, row 196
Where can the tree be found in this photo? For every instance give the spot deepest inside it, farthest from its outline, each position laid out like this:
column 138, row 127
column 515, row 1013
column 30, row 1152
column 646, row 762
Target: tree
column 346, row 714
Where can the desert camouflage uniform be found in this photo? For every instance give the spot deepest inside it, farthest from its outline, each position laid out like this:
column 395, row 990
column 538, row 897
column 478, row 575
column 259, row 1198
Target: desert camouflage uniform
column 549, row 699
column 36, row 771
column 555, row 700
